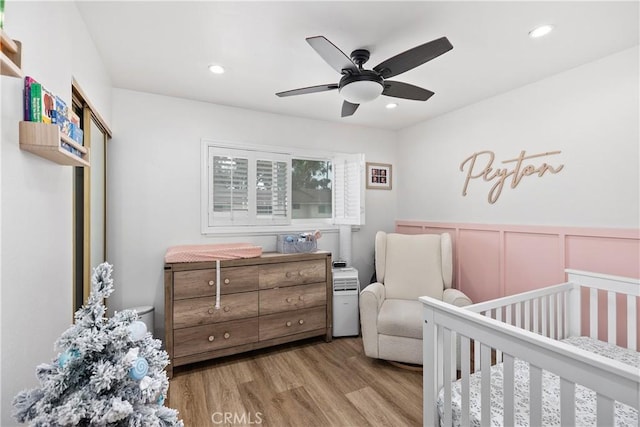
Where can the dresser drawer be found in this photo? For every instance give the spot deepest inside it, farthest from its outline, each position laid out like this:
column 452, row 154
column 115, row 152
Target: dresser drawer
column 202, row 311
column 292, row 273
column 292, row 298
column 200, row 283
column 199, row 339
column 292, row 322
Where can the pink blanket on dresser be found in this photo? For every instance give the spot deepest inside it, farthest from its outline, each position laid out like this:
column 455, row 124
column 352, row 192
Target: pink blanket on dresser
column 222, row 251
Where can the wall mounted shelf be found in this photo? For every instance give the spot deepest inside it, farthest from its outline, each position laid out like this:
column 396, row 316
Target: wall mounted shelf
column 10, row 56
column 47, row 141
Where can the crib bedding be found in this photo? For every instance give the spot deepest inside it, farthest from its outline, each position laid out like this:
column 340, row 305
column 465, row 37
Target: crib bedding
column 585, row 398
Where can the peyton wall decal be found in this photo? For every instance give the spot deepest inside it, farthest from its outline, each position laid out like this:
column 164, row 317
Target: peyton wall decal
column 500, row 175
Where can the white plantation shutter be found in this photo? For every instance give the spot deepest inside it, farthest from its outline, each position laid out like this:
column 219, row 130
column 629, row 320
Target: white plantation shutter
column 252, row 186
column 348, row 200
column 229, row 186
column 272, row 191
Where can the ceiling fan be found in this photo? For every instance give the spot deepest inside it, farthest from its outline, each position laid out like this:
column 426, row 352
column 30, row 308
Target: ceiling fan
column 359, row 85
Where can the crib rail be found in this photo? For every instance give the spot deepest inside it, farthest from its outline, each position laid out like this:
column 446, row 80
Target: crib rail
column 558, row 311
column 526, row 326
column 545, row 311
column 613, row 381
column 615, row 288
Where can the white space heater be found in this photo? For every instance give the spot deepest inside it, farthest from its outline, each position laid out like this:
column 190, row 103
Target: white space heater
column 346, row 292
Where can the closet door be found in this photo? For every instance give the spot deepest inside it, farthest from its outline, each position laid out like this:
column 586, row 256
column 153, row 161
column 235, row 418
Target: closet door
column 97, row 197
column 90, row 183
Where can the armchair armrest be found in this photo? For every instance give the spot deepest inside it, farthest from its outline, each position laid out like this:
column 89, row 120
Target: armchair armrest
column 371, row 299
column 456, row 297
column 375, row 291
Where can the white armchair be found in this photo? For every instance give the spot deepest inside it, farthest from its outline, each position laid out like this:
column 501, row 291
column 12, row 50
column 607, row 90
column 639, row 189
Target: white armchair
column 407, row 267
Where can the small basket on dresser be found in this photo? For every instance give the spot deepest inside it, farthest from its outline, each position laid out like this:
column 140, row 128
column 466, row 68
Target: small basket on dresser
column 295, row 244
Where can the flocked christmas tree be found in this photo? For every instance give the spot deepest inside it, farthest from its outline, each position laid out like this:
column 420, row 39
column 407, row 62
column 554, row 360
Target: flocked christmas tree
column 110, row 371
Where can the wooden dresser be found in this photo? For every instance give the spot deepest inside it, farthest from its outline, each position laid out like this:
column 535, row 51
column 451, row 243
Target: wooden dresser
column 264, row 301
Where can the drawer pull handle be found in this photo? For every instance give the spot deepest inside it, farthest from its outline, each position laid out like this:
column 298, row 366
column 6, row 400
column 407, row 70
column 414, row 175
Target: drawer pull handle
column 226, row 281
column 226, row 335
column 301, row 297
column 288, row 274
column 211, row 338
column 301, row 321
column 226, row 309
column 211, row 283
column 288, row 299
column 288, row 323
column 211, row 311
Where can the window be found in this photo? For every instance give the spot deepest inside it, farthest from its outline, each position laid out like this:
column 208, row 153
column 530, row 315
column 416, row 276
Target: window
column 311, row 188
column 271, row 186
column 231, row 187
column 246, row 187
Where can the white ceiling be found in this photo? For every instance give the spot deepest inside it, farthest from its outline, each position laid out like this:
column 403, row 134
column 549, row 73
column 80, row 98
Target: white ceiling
column 165, row 48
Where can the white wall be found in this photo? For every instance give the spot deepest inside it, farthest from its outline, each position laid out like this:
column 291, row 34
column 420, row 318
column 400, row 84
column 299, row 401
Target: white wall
column 36, row 194
column 590, row 113
column 154, row 183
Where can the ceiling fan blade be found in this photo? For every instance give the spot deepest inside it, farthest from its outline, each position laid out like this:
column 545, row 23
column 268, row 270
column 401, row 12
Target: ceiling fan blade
column 331, row 54
column 348, row 108
column 412, row 58
column 311, row 89
column 406, row 91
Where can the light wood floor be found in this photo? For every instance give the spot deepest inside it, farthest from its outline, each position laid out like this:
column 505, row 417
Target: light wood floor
column 312, row 383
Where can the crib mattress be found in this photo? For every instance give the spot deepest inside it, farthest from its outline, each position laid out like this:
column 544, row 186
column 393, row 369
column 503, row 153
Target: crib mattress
column 222, row 251
column 585, row 398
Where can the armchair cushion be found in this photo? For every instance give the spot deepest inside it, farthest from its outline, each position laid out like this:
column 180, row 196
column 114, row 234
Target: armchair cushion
column 413, row 266
column 401, row 318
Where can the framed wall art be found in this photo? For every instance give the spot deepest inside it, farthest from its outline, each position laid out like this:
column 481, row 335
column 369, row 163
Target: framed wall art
column 378, row 176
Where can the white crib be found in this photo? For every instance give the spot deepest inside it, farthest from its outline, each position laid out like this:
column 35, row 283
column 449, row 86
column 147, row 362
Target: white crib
column 526, row 329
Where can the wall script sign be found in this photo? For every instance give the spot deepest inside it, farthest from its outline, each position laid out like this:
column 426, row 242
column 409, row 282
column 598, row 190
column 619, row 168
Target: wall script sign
column 500, row 175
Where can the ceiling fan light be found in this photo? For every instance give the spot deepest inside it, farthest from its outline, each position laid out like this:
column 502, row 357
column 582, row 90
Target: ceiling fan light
column 361, row 91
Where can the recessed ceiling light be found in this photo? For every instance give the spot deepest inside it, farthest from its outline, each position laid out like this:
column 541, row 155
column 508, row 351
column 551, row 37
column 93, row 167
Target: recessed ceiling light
column 391, row 106
column 540, row 31
column 216, row 69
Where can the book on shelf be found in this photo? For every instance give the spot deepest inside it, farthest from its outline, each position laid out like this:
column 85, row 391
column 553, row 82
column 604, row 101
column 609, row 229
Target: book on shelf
column 35, row 95
column 74, row 118
column 41, row 105
column 61, row 107
column 27, row 98
column 39, row 102
column 76, row 134
column 48, row 105
column 63, row 123
column 71, row 149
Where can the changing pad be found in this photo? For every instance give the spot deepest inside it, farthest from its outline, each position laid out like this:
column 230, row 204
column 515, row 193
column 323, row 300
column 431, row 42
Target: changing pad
column 213, row 252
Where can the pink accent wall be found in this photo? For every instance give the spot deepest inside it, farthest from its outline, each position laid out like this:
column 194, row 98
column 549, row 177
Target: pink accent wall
column 494, row 260
column 478, row 271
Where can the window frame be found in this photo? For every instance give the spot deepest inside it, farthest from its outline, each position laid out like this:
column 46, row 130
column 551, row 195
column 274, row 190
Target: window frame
column 258, row 228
